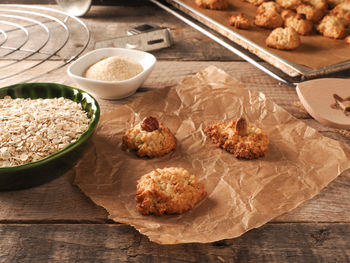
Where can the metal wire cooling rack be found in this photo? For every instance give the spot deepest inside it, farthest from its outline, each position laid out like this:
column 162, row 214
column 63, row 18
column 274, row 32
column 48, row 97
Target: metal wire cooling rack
column 37, row 39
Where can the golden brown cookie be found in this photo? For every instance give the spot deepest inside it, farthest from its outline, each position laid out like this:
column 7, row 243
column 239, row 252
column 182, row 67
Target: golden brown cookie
column 239, row 138
column 213, row 4
column 311, row 13
column 347, row 39
column 170, row 190
column 288, row 4
column 239, row 21
column 342, row 11
column 299, row 23
column 287, row 13
column 149, row 138
column 268, row 15
column 270, row 6
column 319, row 4
column 255, row 2
column 283, row 38
column 332, row 27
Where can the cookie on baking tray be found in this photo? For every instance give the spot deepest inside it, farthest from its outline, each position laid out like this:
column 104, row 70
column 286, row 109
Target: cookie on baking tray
column 170, row 190
column 255, row 2
column 212, row 4
column 311, row 12
column 332, row 27
column 239, row 138
column 347, row 39
column 149, row 138
column 240, row 21
column 288, row 4
column 342, row 11
column 298, row 22
column 268, row 15
column 283, row 38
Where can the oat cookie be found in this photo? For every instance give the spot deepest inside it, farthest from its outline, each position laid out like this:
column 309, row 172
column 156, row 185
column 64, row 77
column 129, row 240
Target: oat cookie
column 170, row 190
column 213, row 4
column 342, row 11
column 255, row 2
column 311, row 13
column 288, row 4
column 299, row 23
column 283, row 38
column 332, row 27
column 270, row 6
column 347, row 39
column 318, row 4
column 239, row 138
column 149, row 138
column 239, row 21
column 268, row 15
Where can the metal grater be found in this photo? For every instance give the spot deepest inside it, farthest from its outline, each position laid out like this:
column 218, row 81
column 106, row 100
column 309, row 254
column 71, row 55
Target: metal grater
column 143, row 37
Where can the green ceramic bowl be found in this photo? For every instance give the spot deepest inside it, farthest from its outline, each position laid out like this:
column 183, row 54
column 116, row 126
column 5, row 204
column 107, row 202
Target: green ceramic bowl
column 54, row 165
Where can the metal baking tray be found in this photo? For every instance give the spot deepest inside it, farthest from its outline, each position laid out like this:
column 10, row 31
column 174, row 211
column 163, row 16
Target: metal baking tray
column 316, row 57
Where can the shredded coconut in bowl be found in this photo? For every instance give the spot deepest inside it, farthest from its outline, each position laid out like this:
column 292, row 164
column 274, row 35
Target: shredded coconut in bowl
column 31, row 130
column 113, row 68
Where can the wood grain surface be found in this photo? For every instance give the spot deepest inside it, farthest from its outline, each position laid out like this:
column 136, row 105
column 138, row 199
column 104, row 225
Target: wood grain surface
column 55, row 222
column 287, row 242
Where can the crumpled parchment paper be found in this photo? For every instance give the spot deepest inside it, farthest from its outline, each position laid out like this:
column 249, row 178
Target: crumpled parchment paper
column 242, row 194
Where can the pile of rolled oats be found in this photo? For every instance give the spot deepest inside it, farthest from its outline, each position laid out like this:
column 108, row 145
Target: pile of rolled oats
column 33, row 129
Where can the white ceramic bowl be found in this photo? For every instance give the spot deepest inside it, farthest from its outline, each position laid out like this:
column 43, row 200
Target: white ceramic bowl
column 111, row 89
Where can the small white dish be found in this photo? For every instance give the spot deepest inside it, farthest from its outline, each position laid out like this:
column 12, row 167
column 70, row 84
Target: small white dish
column 111, row 89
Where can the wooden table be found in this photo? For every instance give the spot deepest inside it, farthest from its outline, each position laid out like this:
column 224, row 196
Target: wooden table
column 55, row 222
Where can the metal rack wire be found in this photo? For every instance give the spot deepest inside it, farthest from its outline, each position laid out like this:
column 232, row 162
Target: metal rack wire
column 32, row 36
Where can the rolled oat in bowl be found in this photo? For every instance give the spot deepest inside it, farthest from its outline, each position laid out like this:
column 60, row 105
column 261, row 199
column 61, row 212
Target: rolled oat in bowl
column 32, row 129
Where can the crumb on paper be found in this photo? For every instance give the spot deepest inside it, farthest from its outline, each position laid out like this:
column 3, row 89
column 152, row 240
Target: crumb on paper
column 221, row 259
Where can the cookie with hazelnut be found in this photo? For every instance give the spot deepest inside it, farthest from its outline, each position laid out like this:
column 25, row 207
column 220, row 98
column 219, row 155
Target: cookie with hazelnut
column 239, row 138
column 149, row 138
column 299, row 23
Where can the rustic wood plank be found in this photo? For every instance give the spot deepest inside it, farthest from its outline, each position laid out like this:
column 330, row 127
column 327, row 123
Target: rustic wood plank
column 56, row 201
column 121, row 243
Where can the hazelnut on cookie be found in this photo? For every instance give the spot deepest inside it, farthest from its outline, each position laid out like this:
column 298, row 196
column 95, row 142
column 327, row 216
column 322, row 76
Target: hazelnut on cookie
column 149, row 138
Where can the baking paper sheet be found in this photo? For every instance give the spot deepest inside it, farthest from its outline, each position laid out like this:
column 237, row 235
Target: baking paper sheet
column 242, row 194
